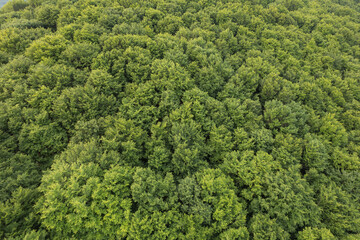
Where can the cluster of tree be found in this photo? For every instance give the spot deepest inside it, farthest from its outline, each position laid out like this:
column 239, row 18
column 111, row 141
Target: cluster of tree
column 180, row 119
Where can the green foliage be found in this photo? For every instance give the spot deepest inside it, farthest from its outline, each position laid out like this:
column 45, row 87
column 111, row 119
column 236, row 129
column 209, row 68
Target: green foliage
column 180, row 119
column 289, row 118
column 153, row 192
column 218, row 191
column 263, row 227
column 18, row 214
column 50, row 46
column 56, row 76
column 315, row 233
column 289, row 199
column 99, row 198
column 81, row 103
column 187, row 142
column 47, row 15
column 80, row 55
column 17, row 171
column 15, row 5
column 339, row 213
column 315, row 154
column 14, row 40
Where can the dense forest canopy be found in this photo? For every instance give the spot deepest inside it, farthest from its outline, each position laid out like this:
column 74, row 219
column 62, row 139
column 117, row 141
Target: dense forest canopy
column 180, row 119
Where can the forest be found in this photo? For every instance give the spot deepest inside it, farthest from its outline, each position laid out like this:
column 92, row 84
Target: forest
column 180, row 119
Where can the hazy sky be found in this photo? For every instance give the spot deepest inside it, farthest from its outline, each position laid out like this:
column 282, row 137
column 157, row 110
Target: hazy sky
column 2, row 2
